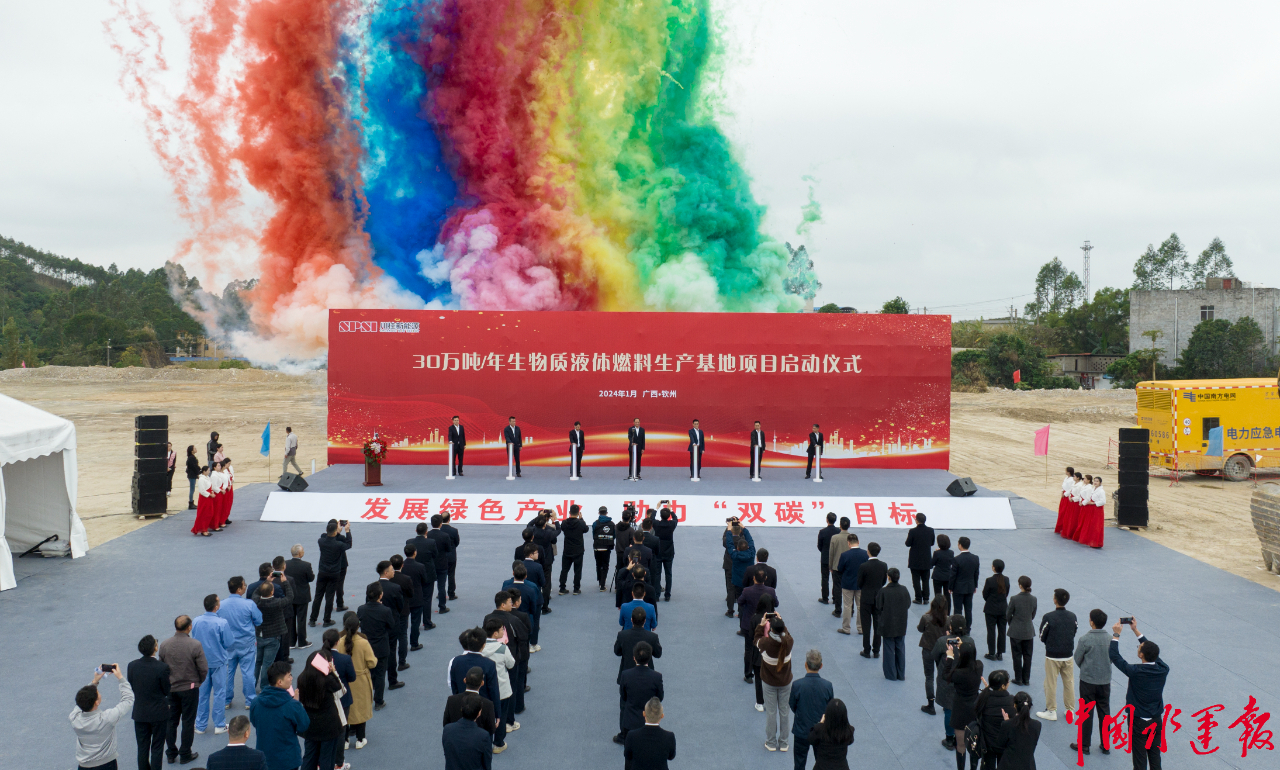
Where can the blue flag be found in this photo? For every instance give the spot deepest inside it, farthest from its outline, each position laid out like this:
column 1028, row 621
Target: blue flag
column 266, row 441
column 1215, row 443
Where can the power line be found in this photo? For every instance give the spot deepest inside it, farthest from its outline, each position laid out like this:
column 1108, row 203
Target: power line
column 986, row 301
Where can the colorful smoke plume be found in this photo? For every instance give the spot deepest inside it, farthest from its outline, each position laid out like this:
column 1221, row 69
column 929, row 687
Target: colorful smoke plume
column 476, row 154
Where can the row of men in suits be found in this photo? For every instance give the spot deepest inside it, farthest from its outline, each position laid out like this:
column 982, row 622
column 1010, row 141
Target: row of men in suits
column 513, row 438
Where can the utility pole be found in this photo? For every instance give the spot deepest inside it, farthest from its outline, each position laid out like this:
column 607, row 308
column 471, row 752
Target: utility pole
column 1086, row 248
column 108, row 351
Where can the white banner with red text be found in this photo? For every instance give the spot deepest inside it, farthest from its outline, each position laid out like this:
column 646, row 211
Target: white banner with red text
column 693, row 510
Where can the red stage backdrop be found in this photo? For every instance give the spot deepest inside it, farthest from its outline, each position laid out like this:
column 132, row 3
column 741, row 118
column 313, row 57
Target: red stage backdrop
column 879, row 385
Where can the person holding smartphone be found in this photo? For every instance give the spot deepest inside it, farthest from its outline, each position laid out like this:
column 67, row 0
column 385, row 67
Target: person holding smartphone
column 96, row 729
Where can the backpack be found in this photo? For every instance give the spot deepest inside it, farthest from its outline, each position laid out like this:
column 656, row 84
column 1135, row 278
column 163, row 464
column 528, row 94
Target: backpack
column 603, row 535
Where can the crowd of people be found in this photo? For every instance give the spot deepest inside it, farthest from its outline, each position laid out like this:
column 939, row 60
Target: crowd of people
column 1082, row 509
column 312, row 716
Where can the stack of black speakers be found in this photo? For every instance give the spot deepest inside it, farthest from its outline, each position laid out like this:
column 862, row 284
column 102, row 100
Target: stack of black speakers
column 150, row 474
column 1131, row 489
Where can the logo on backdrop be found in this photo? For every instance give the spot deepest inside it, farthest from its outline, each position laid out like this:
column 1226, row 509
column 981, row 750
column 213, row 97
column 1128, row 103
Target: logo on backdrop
column 410, row 327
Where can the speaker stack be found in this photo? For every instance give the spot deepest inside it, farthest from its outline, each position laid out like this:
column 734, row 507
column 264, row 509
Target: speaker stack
column 150, row 471
column 1133, row 480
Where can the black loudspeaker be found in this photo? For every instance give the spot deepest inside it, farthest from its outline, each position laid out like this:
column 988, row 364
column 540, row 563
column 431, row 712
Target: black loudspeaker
column 150, row 465
column 147, row 503
column 149, row 451
column 151, row 422
column 1133, row 464
column 157, row 436
column 150, row 482
column 1134, row 449
column 1141, row 435
column 292, row 482
column 962, row 487
column 1132, row 496
column 1134, row 515
column 1133, row 478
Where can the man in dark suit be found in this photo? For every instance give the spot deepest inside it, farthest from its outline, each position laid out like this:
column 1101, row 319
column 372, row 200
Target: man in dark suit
column 636, row 686
column 577, row 445
column 816, row 445
column 237, row 755
column 574, row 528
column 466, row 745
column 628, row 638
column 472, row 641
column 458, row 441
column 893, row 609
column 474, row 680
column 824, row 546
column 444, row 549
column 765, row 575
column 757, row 450
column 333, row 547
column 393, row 599
column 514, row 440
column 635, row 444
column 407, row 592
column 964, row 581
column 524, row 646
column 531, row 556
column 456, row 538
column 665, row 530
column 425, row 554
column 378, row 625
column 649, row 747
column 920, row 558
column 420, row 601
column 546, row 530
column 300, row 574
column 697, row 445
column 872, row 576
column 530, row 600
column 149, row 679
column 810, row 695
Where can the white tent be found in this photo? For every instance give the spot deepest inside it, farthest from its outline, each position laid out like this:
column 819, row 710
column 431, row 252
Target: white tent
column 37, row 483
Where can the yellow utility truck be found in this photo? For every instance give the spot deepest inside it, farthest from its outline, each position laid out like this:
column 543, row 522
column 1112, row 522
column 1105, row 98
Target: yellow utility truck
column 1180, row 414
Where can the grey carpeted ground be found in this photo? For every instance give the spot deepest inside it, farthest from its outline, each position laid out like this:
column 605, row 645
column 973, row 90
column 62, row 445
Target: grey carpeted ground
column 1218, row 633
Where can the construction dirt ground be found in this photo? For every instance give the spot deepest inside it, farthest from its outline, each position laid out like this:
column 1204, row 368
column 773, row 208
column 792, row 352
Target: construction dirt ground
column 991, row 441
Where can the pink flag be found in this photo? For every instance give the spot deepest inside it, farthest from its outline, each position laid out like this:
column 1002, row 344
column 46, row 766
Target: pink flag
column 1042, row 441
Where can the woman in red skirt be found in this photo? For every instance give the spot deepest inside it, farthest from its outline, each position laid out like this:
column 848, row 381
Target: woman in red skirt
column 219, row 479
column 204, row 506
column 231, row 491
column 1092, row 525
column 1086, row 502
column 1072, row 513
column 1065, row 500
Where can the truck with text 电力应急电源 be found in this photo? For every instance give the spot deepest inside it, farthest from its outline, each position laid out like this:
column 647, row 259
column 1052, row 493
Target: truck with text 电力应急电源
column 1181, row 414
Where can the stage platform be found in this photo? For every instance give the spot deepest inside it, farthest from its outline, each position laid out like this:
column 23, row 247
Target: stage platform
column 873, row 498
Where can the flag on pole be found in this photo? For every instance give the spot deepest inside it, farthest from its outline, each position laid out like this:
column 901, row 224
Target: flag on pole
column 1042, row 442
column 1017, row 376
column 266, row 441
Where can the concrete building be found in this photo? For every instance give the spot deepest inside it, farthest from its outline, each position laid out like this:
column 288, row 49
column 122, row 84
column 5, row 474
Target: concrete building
column 1175, row 313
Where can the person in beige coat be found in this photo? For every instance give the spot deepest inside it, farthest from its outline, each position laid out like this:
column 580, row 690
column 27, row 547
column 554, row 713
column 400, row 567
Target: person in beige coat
column 355, row 644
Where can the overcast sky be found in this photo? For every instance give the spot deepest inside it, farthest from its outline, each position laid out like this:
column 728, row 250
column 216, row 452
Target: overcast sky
column 957, row 147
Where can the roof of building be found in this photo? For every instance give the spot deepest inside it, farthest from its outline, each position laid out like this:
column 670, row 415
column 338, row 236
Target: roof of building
column 1236, row 382
column 1085, row 355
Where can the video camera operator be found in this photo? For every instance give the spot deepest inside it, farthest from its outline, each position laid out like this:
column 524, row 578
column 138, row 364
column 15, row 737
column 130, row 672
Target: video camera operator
column 733, row 531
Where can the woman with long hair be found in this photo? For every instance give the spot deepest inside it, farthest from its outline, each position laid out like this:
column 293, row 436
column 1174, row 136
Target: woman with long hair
column 831, row 737
column 230, row 492
column 193, row 473
column 1016, row 741
column 764, row 607
column 1093, row 526
column 319, row 692
column 964, row 671
column 995, row 593
column 347, row 673
column 363, row 660
column 204, row 510
column 932, row 625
